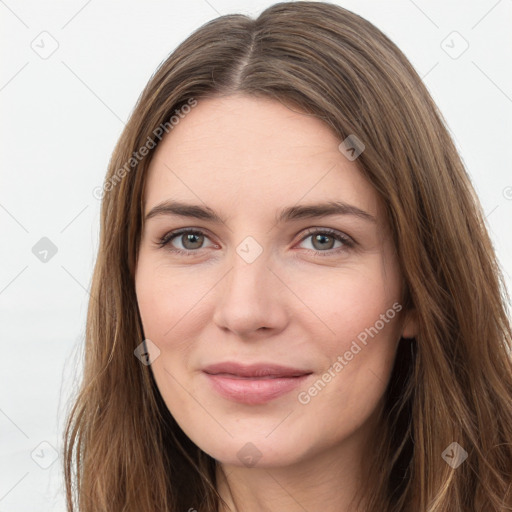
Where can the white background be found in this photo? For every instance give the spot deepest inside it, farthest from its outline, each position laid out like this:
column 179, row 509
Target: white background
column 61, row 117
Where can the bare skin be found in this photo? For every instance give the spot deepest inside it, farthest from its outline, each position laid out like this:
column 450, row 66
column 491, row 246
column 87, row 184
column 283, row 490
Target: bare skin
column 302, row 301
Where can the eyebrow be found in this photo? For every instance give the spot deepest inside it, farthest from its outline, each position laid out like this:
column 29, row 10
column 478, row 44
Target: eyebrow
column 290, row 213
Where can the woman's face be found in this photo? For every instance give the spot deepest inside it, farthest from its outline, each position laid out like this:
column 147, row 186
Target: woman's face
column 275, row 309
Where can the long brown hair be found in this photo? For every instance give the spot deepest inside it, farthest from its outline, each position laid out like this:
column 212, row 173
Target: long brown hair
column 452, row 383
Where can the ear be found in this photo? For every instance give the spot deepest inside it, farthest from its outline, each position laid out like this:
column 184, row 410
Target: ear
column 410, row 324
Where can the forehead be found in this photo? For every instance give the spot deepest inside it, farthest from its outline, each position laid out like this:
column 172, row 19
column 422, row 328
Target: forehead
column 252, row 154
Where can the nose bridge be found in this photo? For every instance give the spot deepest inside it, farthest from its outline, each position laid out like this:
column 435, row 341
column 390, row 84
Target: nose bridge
column 249, row 261
column 249, row 277
column 249, row 298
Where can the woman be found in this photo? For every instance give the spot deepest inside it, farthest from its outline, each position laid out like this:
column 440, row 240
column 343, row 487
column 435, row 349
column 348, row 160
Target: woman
column 296, row 304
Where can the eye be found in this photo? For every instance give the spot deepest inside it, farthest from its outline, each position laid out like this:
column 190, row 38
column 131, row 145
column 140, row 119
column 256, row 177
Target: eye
column 323, row 240
column 190, row 239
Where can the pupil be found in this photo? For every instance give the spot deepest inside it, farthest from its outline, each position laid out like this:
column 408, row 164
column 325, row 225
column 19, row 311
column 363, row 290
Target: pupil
column 322, row 238
column 190, row 238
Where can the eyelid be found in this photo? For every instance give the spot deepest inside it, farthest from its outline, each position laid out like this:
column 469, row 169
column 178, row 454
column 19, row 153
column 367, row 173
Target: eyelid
column 172, row 235
column 329, row 231
column 348, row 241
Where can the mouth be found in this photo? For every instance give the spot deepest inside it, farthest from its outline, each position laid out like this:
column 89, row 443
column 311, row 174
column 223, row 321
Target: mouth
column 254, row 384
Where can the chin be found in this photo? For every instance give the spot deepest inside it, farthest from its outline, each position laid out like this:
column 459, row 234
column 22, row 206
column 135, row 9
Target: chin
column 255, row 455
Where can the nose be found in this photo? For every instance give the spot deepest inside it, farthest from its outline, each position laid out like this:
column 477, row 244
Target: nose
column 251, row 299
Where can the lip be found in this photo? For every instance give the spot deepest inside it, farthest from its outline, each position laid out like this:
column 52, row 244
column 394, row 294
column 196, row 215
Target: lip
column 256, row 383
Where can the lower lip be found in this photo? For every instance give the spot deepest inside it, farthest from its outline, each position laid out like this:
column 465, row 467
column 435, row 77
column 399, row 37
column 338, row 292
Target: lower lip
column 253, row 391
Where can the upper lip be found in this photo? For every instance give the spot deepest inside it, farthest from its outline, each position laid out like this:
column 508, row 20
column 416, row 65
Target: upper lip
column 254, row 370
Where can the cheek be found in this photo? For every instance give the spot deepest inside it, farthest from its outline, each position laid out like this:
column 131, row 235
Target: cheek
column 170, row 310
column 359, row 311
column 348, row 302
column 169, row 303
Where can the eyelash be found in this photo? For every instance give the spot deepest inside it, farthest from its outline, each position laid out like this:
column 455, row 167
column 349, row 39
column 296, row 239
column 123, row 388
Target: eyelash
column 347, row 241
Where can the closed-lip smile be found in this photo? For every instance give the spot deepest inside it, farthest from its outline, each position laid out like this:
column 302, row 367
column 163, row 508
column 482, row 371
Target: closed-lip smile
column 253, row 384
